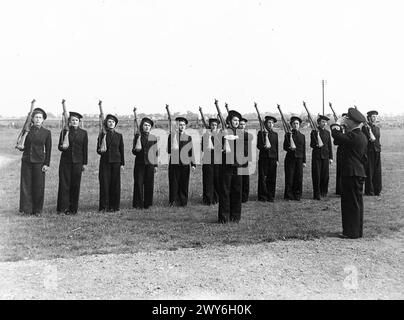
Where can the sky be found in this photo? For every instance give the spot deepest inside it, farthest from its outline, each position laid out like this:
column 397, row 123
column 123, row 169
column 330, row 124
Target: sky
column 187, row 53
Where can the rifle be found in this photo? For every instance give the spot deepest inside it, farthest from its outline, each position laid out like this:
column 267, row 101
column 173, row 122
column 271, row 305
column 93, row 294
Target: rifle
column 138, row 145
column 314, row 126
column 25, row 129
column 333, row 112
column 227, row 107
column 65, row 125
column 224, row 127
column 266, row 139
column 210, row 145
column 372, row 137
column 286, row 127
column 103, row 143
column 203, row 119
column 174, row 142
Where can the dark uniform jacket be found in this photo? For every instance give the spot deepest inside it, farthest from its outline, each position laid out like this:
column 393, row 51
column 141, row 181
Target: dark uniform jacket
column 209, row 155
column 373, row 146
column 115, row 149
column 354, row 156
column 184, row 141
column 325, row 152
column 231, row 158
column 300, row 142
column 271, row 153
column 78, row 146
column 145, row 156
column 37, row 146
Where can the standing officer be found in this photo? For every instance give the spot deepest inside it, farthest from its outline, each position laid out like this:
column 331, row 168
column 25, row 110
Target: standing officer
column 210, row 169
column 352, row 171
column 73, row 161
column 245, row 178
column 112, row 161
column 295, row 160
column 373, row 182
column 268, row 161
column 34, row 163
column 230, row 178
column 321, row 158
column 181, row 160
column 145, row 165
column 339, row 157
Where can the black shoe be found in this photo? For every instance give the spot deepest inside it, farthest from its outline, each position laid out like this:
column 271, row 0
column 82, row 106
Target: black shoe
column 270, row 200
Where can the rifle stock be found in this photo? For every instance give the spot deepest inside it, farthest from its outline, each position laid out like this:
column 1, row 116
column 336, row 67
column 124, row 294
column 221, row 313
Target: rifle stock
column 65, row 122
column 25, row 129
column 102, row 134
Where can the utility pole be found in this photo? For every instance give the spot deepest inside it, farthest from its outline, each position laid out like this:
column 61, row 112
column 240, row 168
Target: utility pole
column 322, row 84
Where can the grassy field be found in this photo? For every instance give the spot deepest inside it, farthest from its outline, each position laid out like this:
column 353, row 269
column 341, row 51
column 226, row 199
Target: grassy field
column 161, row 227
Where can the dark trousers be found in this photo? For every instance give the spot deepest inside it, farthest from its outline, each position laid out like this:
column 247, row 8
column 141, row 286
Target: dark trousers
column 69, row 187
column 338, row 174
column 110, row 186
column 210, row 181
column 245, row 187
column 293, row 178
column 230, row 194
column 178, row 177
column 320, row 174
column 143, row 176
column 373, row 183
column 266, row 179
column 32, row 188
column 352, row 206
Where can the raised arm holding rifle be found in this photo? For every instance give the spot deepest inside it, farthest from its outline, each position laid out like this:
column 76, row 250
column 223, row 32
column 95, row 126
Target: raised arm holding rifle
column 264, row 132
column 367, row 130
column 65, row 126
column 321, row 158
column 102, row 136
column 25, row 129
column 138, row 144
column 314, row 127
column 288, row 131
column 226, row 146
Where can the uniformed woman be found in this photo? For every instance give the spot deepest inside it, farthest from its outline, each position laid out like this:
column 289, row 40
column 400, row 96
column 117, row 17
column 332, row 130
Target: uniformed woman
column 34, row 163
column 73, row 161
column 180, row 164
column 111, row 163
column 295, row 160
column 230, row 178
column 145, row 165
column 210, row 168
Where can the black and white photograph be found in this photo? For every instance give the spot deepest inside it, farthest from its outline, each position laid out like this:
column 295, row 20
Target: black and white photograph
column 222, row 151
